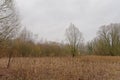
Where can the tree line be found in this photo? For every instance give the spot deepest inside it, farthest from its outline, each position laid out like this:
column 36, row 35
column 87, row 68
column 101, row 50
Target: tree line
column 18, row 42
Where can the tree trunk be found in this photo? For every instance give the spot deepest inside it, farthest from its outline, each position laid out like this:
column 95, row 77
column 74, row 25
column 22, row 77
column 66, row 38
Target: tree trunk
column 9, row 59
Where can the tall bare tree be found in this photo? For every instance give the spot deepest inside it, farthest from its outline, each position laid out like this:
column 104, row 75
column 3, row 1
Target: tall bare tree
column 108, row 42
column 26, row 35
column 8, row 20
column 9, row 23
column 74, row 38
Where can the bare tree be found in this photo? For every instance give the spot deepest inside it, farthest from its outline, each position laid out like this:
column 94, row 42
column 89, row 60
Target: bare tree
column 9, row 23
column 27, row 36
column 90, row 47
column 74, row 38
column 108, row 41
column 8, row 20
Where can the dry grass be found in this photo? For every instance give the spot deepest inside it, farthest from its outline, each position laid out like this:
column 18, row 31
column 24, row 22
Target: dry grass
column 64, row 68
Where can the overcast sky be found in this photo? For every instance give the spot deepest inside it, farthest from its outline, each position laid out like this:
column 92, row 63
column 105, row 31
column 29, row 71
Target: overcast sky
column 50, row 18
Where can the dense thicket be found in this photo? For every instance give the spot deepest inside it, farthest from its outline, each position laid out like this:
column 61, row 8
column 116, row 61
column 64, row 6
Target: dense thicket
column 107, row 41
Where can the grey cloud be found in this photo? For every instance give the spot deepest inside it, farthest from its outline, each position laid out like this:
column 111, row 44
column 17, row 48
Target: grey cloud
column 49, row 18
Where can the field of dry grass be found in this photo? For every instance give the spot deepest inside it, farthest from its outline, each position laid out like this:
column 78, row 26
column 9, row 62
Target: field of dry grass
column 62, row 68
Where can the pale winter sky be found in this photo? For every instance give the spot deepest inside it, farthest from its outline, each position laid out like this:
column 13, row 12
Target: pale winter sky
column 50, row 18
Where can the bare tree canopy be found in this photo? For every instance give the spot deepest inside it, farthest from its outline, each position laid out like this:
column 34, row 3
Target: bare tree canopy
column 108, row 40
column 9, row 22
column 74, row 38
column 26, row 35
column 9, row 25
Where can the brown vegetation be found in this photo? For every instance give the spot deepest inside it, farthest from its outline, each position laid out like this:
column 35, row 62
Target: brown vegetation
column 63, row 68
